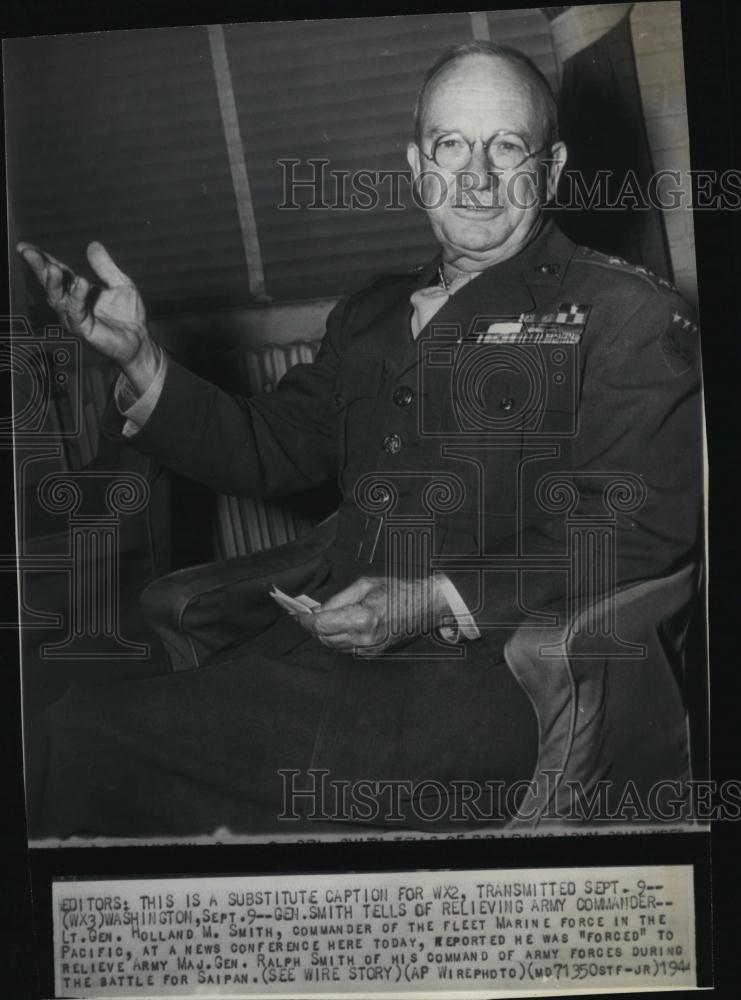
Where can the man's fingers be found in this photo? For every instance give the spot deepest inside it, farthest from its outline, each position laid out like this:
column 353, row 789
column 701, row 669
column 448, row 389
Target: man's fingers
column 78, row 302
column 361, row 645
column 308, row 620
column 39, row 259
column 54, row 283
column 105, row 267
column 34, row 258
column 353, row 594
column 79, row 290
column 351, row 618
column 44, row 266
column 342, row 643
column 346, row 630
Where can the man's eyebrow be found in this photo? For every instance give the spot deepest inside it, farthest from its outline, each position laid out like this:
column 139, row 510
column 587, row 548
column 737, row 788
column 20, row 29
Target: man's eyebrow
column 436, row 130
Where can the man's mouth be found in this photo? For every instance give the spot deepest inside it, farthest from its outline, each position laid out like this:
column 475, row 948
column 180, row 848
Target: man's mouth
column 477, row 206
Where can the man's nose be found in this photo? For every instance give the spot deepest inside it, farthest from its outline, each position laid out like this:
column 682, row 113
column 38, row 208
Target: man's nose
column 483, row 175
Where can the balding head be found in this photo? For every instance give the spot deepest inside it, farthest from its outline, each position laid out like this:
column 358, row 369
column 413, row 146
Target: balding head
column 544, row 103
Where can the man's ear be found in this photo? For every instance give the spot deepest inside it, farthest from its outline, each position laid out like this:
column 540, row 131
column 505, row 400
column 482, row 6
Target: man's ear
column 414, row 160
column 555, row 164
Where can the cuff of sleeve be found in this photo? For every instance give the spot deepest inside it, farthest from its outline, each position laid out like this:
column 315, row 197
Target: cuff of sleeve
column 137, row 410
column 464, row 625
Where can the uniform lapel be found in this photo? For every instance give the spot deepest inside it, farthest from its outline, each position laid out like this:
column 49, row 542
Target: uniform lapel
column 390, row 331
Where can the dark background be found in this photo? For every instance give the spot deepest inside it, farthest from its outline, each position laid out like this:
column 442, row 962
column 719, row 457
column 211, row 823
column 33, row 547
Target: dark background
column 711, row 31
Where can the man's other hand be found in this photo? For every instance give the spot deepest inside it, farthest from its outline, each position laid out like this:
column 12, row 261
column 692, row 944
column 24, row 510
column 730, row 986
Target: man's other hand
column 112, row 318
column 375, row 613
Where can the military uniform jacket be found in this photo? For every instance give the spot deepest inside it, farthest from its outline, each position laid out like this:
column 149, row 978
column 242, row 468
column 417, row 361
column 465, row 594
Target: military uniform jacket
column 558, row 364
column 539, row 442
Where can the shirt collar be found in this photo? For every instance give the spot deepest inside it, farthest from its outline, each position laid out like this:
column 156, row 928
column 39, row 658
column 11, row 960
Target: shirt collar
column 544, row 261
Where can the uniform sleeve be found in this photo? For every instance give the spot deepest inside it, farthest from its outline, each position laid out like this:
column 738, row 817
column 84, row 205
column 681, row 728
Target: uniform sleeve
column 265, row 446
column 636, row 463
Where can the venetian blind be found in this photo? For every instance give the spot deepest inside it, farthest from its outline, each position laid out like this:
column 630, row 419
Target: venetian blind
column 340, row 91
column 117, row 136
column 530, row 32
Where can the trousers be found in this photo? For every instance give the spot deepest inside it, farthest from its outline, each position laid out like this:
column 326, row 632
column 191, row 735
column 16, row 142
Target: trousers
column 207, row 751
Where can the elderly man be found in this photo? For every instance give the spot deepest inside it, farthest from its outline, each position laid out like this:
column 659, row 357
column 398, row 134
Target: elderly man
column 458, row 392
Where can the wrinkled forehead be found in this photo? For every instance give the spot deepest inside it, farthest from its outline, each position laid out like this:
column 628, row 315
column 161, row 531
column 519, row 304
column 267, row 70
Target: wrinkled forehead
column 486, row 94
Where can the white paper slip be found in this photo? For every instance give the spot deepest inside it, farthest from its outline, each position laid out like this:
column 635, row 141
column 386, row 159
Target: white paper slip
column 294, row 605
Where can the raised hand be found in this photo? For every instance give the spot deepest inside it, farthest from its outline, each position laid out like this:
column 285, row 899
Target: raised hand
column 112, row 318
column 375, row 613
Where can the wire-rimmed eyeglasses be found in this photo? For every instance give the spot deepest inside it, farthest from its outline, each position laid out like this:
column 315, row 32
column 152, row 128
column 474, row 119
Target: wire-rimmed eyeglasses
column 505, row 151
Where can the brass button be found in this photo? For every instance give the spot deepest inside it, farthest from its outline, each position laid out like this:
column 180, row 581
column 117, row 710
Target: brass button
column 403, row 395
column 392, row 444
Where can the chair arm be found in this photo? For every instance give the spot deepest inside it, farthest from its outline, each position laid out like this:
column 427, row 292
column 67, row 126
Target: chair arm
column 200, row 609
column 607, row 688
